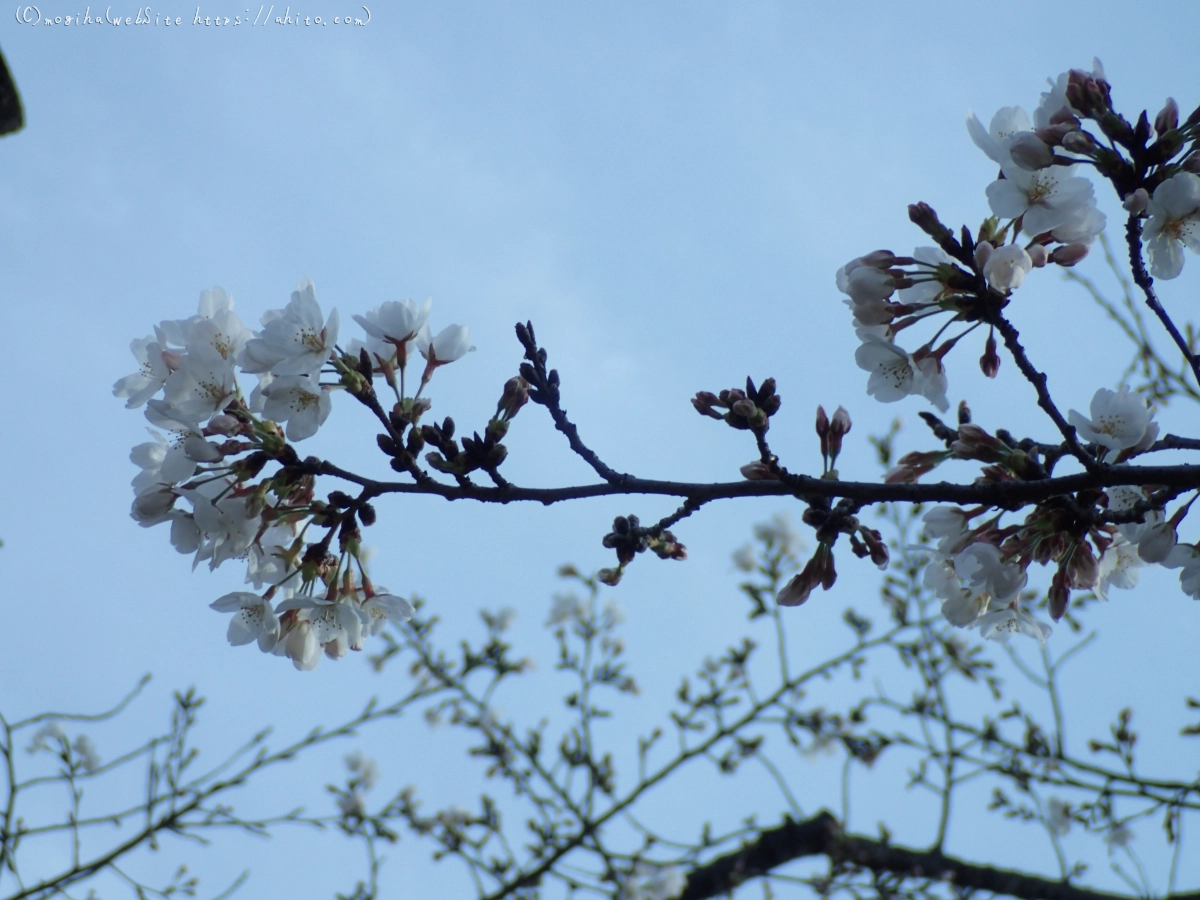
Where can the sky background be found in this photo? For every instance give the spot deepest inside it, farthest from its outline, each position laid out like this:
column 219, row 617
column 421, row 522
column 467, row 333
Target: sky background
column 665, row 191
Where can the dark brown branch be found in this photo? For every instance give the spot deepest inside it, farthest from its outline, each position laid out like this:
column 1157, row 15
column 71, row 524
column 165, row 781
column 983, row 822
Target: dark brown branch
column 1038, row 380
column 1004, row 495
column 546, row 393
column 822, row 836
column 1133, row 237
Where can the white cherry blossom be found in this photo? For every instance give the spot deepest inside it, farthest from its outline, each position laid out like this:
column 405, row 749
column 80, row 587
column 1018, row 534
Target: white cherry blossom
column 394, row 325
column 154, row 366
column 202, row 386
column 1174, row 224
column 1187, row 558
column 1119, row 419
column 928, row 290
column 1118, row 567
column 994, row 140
column 896, row 374
column 451, row 343
column 294, row 340
column 982, row 569
column 1003, row 623
column 1006, row 268
column 1045, row 199
column 300, row 401
column 383, row 607
column 253, row 619
column 160, row 463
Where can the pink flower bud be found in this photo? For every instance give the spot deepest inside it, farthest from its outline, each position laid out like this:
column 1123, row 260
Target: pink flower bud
column 880, row 259
column 758, row 471
column 989, row 363
column 1037, row 254
column 1060, row 594
column 1167, row 118
column 796, row 591
column 839, row 427
column 1068, row 254
column 1078, row 142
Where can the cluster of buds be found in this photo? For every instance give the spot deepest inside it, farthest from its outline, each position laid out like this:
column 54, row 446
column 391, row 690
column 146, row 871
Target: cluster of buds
column 748, row 410
column 628, row 538
column 830, row 432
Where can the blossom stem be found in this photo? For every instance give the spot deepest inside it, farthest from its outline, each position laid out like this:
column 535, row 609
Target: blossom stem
column 1133, row 237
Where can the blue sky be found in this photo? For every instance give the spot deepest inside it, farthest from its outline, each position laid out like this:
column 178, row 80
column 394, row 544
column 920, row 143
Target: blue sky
column 664, row 190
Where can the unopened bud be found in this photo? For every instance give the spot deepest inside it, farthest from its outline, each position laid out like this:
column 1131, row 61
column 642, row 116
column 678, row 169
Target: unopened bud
column 1136, row 201
column 839, row 427
column 875, row 546
column 223, row 424
column 1078, row 142
column 611, row 577
column 796, row 591
column 758, row 471
column 1037, row 255
column 198, row 449
column 745, row 408
column 1083, row 570
column 516, row 395
column 1060, row 594
column 1192, row 164
column 1053, row 135
column 879, row 259
column 1167, row 118
column 975, row 443
column 704, row 401
column 983, row 252
column 989, row 363
column 1068, row 254
column 1029, row 151
column 823, row 432
column 152, row 504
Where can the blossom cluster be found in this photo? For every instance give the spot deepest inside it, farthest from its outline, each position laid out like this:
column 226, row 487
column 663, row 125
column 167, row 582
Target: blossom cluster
column 980, row 571
column 1043, row 212
column 201, row 472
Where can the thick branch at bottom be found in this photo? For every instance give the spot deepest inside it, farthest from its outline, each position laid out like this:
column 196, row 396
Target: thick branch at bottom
column 822, row 836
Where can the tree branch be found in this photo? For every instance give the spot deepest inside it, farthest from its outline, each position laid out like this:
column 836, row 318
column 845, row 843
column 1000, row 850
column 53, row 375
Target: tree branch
column 822, row 836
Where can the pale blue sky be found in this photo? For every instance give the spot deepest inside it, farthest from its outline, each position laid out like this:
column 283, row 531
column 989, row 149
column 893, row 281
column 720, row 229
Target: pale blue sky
column 665, row 190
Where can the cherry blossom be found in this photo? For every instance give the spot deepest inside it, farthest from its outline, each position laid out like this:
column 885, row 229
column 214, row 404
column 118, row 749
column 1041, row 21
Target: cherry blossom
column 1119, row 419
column 300, row 401
column 1006, row 268
column 452, row 342
column 160, row 463
column 294, row 340
column 381, row 608
column 1187, row 558
column 1118, row 567
column 201, row 386
column 253, row 619
column 896, row 374
column 995, row 139
column 982, row 569
column 153, row 369
column 1174, row 224
column 1001, row 624
column 394, row 325
column 1043, row 200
